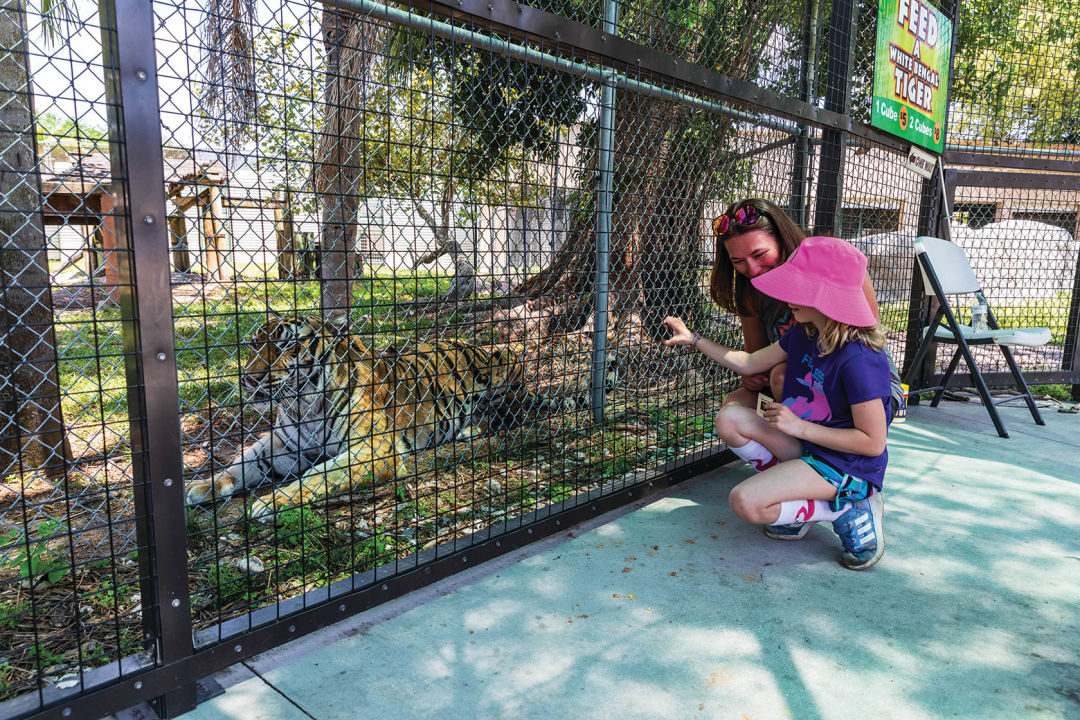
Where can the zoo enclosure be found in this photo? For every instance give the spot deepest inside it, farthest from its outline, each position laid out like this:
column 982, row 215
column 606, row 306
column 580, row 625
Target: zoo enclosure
column 535, row 178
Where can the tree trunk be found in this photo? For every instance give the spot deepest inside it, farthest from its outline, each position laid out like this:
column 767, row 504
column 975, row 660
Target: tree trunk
column 349, row 42
column 31, row 423
column 666, row 160
column 660, row 190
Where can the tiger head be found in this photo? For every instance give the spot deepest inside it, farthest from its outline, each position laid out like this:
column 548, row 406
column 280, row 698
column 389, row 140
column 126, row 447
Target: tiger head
column 287, row 352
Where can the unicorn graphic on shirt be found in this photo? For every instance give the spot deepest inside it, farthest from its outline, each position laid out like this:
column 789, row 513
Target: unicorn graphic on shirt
column 814, row 409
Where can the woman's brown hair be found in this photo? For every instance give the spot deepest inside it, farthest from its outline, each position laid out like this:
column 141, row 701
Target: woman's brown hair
column 733, row 291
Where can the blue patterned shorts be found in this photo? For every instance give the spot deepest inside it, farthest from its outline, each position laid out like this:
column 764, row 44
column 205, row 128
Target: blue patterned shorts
column 849, row 488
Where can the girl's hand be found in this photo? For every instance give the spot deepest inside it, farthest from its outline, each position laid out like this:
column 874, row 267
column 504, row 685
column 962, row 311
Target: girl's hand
column 680, row 334
column 755, row 383
column 780, row 417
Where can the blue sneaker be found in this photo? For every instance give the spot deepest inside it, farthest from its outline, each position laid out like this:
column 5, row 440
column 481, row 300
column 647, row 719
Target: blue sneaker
column 794, row 531
column 861, row 530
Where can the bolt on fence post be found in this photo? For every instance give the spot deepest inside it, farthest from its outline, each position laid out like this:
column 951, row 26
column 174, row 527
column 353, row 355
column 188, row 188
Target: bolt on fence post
column 130, row 67
column 606, row 161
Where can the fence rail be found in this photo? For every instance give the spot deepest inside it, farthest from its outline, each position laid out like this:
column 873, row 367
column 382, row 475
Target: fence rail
column 308, row 305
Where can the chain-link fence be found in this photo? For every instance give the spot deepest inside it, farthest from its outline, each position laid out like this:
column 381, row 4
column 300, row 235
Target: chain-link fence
column 307, row 305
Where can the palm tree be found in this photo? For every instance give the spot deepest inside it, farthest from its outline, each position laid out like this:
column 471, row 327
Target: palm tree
column 31, row 422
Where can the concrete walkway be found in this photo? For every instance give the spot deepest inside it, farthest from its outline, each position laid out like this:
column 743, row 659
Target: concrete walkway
column 675, row 609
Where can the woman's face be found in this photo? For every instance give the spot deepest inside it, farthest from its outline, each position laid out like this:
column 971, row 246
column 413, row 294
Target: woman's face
column 753, row 253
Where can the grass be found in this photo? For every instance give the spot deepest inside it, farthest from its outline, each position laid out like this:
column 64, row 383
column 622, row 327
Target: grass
column 1051, row 313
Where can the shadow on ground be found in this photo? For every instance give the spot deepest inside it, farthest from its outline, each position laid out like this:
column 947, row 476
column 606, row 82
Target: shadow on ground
column 678, row 610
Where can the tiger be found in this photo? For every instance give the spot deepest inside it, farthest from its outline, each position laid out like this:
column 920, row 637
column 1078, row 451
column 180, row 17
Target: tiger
column 346, row 414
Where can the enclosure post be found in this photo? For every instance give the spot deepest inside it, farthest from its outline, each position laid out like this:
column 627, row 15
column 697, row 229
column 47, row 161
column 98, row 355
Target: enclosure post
column 800, row 171
column 920, row 310
column 214, row 262
column 842, row 21
column 108, row 240
column 284, row 232
column 128, row 57
column 178, row 242
column 606, row 161
column 1071, row 358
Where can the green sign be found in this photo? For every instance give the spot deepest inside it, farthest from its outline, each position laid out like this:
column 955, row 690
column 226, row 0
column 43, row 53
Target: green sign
column 911, row 72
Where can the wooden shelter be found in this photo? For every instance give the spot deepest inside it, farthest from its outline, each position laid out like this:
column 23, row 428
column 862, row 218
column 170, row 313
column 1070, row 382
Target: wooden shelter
column 78, row 192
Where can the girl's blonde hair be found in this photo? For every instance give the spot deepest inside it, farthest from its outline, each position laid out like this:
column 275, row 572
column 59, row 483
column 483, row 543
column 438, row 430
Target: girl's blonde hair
column 834, row 335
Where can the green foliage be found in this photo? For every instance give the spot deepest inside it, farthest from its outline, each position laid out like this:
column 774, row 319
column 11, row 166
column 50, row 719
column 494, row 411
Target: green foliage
column 1061, row 393
column 78, row 138
column 44, row 657
column 34, row 558
column 287, row 113
column 229, row 583
column 1016, row 72
column 10, row 613
column 501, row 107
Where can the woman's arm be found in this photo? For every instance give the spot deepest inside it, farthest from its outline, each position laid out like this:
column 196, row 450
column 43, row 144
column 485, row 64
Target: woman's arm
column 754, row 339
column 740, row 361
column 753, row 332
column 866, row 438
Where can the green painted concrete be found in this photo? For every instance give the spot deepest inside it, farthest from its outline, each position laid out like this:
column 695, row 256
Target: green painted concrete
column 676, row 609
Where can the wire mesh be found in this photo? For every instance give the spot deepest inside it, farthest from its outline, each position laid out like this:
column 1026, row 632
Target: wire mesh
column 473, row 291
column 70, row 576
column 383, row 256
column 1023, row 247
column 1016, row 83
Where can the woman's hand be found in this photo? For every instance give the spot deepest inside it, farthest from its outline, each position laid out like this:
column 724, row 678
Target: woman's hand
column 755, row 383
column 780, row 417
column 680, row 334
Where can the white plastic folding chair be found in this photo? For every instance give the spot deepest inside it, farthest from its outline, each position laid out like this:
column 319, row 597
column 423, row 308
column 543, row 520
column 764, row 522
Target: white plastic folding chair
column 946, row 274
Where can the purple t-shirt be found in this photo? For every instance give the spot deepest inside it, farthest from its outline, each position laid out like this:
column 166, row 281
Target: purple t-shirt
column 823, row 389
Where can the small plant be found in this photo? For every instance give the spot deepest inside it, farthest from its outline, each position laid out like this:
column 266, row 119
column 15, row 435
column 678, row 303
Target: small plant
column 229, row 582
column 104, row 599
column 9, row 614
column 34, row 558
column 43, row 657
column 1061, row 393
column 560, row 491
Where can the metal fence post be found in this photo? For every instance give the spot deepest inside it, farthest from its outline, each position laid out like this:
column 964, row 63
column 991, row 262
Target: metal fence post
column 606, row 161
column 842, row 21
column 130, row 64
column 1070, row 361
column 799, row 205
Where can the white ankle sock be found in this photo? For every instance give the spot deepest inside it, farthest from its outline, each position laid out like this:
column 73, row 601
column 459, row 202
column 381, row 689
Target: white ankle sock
column 797, row 511
column 756, row 454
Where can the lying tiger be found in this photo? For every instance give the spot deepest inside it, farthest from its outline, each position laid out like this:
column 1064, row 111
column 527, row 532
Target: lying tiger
column 347, row 415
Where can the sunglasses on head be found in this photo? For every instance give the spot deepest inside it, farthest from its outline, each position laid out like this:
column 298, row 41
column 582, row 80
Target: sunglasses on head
column 743, row 216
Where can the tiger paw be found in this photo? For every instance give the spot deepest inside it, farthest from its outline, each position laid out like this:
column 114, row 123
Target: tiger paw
column 200, row 491
column 262, row 510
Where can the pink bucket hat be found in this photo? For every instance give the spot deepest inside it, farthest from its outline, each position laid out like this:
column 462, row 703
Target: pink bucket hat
column 824, row 273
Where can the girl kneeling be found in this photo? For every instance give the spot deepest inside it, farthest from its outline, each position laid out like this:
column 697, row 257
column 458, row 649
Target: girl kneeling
column 820, row 452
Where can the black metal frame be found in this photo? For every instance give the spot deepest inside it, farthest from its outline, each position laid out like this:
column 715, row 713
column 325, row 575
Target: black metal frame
column 963, row 350
column 132, row 92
